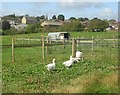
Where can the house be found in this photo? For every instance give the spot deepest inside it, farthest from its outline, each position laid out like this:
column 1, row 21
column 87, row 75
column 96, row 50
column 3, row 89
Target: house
column 29, row 20
column 51, row 23
column 113, row 25
column 11, row 22
column 85, row 23
column 108, row 28
column 20, row 26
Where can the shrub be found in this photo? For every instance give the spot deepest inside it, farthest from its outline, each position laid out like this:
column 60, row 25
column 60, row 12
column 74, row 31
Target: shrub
column 11, row 31
column 33, row 28
column 5, row 25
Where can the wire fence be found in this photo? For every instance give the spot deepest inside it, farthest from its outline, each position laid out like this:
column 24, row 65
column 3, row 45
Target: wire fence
column 91, row 47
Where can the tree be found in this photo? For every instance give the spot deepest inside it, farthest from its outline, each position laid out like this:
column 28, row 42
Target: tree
column 11, row 15
column 61, row 17
column 54, row 17
column 42, row 17
column 5, row 25
column 112, row 20
column 97, row 25
column 95, row 18
column 27, row 15
column 33, row 28
column 76, row 26
column 82, row 19
column 85, row 19
column 72, row 18
column 38, row 18
column 72, row 26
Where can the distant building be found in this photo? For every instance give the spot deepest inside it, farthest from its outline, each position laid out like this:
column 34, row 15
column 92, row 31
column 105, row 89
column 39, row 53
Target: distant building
column 24, row 20
column 12, row 23
column 20, row 26
column 51, row 23
column 29, row 20
column 113, row 25
column 109, row 28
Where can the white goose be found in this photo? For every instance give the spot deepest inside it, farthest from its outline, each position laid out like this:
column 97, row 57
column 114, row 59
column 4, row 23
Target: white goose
column 69, row 62
column 76, row 60
column 51, row 66
column 79, row 55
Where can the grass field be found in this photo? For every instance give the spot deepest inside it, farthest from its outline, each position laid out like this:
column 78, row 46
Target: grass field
column 7, row 39
column 97, row 73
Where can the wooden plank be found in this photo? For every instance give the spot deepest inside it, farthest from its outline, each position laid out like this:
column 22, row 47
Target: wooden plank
column 92, row 43
column 63, row 43
column 47, row 45
column 43, row 48
column 73, row 47
column 77, row 42
column 13, row 57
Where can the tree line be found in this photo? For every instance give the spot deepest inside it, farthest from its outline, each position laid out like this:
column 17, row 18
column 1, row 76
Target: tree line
column 71, row 25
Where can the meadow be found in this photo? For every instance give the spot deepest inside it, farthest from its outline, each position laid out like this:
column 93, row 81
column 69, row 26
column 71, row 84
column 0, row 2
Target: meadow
column 97, row 73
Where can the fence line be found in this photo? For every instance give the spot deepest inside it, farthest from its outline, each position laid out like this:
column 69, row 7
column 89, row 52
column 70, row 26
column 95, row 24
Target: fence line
column 45, row 43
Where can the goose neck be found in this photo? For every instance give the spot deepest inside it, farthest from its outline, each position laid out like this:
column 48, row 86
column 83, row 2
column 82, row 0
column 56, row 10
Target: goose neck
column 53, row 61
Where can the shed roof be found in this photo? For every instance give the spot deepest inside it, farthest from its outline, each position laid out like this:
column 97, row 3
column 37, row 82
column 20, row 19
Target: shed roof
column 57, row 33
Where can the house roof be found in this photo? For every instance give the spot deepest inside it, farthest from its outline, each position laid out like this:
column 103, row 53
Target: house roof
column 15, row 19
column 47, row 23
column 31, row 19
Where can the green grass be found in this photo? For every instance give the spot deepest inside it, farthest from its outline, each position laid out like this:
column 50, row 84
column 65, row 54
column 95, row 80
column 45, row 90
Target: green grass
column 96, row 74
column 28, row 73
column 109, row 34
column 7, row 39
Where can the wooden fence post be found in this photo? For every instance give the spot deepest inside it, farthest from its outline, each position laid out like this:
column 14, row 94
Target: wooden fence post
column 63, row 43
column 41, row 41
column 73, row 47
column 43, row 49
column 22, row 41
column 47, row 45
column 13, row 57
column 82, row 43
column 29, row 41
column 92, row 43
column 50, row 46
column 77, row 42
column 113, row 41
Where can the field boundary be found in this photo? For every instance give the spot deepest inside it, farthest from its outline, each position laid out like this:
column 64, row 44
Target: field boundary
column 44, row 43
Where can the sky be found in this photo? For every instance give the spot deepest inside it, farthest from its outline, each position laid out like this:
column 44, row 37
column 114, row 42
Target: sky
column 70, row 8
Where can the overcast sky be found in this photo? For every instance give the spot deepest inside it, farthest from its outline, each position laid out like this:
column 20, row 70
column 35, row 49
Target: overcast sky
column 103, row 10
